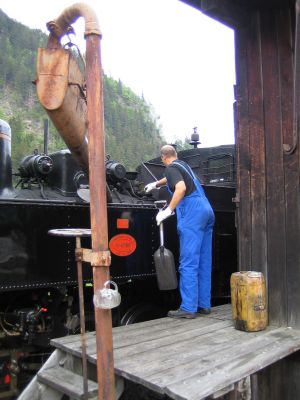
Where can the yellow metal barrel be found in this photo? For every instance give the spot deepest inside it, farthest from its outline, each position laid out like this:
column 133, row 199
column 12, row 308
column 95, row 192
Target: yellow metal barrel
column 248, row 299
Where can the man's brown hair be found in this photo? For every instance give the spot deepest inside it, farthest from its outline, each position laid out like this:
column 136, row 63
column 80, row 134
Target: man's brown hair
column 168, row 151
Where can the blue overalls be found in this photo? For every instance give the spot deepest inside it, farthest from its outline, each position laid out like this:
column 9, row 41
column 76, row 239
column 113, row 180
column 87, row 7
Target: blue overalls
column 195, row 220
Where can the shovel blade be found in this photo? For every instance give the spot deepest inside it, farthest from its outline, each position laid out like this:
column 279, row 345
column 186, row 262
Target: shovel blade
column 165, row 269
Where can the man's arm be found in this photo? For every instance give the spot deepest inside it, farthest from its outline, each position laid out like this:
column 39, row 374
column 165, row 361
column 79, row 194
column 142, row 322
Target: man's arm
column 161, row 182
column 178, row 194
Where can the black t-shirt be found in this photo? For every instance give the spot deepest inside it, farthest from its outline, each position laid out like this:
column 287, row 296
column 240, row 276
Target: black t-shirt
column 174, row 174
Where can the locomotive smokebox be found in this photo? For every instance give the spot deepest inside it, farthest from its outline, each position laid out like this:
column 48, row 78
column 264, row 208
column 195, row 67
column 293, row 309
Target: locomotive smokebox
column 5, row 158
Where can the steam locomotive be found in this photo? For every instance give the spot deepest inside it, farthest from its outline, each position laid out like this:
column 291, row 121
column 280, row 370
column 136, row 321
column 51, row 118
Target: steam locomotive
column 38, row 283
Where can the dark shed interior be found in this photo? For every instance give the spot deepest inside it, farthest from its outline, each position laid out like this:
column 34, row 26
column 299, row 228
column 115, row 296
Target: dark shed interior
column 267, row 144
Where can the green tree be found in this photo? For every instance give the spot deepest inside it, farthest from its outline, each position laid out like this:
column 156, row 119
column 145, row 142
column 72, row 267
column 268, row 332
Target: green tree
column 132, row 133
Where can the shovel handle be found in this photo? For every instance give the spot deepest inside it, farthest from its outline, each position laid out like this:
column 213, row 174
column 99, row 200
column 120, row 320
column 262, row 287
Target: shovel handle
column 161, row 234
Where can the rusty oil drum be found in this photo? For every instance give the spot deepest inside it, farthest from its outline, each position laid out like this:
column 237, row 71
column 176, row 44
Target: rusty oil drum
column 248, row 299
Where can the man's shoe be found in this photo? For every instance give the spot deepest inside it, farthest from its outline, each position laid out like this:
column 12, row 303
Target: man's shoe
column 181, row 314
column 205, row 311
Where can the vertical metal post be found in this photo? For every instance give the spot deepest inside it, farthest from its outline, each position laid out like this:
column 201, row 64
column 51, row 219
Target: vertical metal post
column 100, row 259
column 98, row 210
column 82, row 319
column 46, row 135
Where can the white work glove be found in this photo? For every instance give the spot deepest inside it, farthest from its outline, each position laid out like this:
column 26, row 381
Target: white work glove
column 163, row 214
column 150, row 187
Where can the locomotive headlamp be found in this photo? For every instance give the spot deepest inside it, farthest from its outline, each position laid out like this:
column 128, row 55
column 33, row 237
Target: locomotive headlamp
column 35, row 166
column 115, row 169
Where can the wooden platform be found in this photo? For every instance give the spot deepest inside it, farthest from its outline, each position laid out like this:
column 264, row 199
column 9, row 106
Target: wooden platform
column 190, row 359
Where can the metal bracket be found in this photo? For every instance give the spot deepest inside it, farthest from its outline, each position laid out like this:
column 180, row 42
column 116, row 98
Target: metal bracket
column 236, row 199
column 96, row 259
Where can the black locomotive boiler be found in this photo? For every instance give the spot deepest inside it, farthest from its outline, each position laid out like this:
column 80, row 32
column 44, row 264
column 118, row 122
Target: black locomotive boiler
column 38, row 281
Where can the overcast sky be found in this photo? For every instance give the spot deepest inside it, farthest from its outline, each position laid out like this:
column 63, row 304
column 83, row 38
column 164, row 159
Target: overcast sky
column 179, row 59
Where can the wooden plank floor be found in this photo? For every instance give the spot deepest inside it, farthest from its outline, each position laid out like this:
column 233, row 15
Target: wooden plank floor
column 190, row 359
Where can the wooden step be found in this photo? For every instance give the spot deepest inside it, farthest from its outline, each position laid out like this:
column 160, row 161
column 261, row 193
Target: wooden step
column 67, row 382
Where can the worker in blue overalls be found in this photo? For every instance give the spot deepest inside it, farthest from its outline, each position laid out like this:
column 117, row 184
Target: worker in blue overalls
column 195, row 220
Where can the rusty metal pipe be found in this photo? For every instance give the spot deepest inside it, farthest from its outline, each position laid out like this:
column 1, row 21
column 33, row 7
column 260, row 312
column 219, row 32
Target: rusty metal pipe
column 98, row 210
column 97, row 180
column 59, row 87
column 60, row 83
column 82, row 320
column 60, row 26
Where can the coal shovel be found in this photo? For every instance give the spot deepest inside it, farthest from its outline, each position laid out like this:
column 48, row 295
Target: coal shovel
column 164, row 261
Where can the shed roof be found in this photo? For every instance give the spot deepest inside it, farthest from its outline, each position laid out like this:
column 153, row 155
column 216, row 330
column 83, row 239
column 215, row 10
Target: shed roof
column 234, row 12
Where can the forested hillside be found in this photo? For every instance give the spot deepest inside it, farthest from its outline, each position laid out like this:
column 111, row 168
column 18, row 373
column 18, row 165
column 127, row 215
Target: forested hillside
column 131, row 128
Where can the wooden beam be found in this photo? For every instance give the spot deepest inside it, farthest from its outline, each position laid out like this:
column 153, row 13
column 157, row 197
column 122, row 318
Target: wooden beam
column 256, row 148
column 275, row 196
column 228, row 12
column 285, row 38
column 243, row 161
